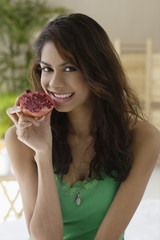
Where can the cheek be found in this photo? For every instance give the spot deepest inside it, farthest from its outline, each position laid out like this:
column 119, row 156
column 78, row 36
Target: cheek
column 83, row 85
column 44, row 86
column 78, row 83
column 83, row 90
column 43, row 82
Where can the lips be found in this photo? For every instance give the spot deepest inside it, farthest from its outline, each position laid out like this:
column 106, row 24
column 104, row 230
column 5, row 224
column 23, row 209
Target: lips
column 62, row 97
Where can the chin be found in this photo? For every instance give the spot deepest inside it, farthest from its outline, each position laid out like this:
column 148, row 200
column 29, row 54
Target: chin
column 61, row 108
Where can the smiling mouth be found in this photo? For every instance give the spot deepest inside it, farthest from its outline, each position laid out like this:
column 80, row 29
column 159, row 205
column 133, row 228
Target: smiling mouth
column 62, row 96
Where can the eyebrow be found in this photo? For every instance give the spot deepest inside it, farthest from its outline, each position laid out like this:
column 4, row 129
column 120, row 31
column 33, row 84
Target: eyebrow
column 49, row 65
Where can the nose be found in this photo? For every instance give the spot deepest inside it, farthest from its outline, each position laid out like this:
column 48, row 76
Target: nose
column 56, row 81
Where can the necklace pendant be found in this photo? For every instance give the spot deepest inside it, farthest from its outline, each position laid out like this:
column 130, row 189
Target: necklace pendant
column 78, row 198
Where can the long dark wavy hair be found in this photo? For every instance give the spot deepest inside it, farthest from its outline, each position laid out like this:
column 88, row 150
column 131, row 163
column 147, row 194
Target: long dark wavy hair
column 83, row 42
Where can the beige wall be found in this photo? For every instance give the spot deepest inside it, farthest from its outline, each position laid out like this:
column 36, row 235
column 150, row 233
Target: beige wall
column 130, row 20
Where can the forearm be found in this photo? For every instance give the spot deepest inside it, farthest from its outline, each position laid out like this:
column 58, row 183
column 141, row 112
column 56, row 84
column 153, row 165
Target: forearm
column 46, row 222
column 117, row 218
column 128, row 196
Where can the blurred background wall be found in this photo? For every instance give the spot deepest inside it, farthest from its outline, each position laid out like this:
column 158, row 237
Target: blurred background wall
column 130, row 20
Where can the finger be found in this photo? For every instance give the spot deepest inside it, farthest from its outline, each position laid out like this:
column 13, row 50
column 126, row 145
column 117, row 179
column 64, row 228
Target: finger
column 13, row 113
column 20, row 131
column 13, row 116
column 13, row 110
column 17, row 102
column 24, row 118
column 22, row 125
column 17, row 106
column 45, row 118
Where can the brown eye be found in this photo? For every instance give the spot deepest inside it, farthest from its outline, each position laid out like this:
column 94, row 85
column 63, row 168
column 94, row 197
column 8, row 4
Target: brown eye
column 70, row 69
column 47, row 69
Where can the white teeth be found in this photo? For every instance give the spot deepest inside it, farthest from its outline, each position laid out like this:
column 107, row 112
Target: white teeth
column 62, row 95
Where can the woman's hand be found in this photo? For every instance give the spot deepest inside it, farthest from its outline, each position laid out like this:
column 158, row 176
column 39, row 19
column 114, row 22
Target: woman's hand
column 35, row 133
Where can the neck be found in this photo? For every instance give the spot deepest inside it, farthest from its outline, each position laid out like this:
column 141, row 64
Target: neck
column 80, row 122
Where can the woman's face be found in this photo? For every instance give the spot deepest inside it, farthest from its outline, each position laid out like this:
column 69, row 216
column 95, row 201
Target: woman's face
column 62, row 80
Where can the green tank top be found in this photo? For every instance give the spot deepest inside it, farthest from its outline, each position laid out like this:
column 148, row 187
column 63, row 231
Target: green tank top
column 81, row 222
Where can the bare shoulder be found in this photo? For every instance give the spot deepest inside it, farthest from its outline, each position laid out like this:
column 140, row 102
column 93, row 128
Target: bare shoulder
column 12, row 141
column 145, row 140
column 20, row 155
column 11, row 136
column 144, row 130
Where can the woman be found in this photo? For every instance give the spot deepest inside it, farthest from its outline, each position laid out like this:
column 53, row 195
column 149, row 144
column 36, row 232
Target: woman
column 83, row 169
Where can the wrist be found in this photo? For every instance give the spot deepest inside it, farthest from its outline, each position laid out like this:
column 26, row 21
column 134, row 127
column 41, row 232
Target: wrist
column 43, row 154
